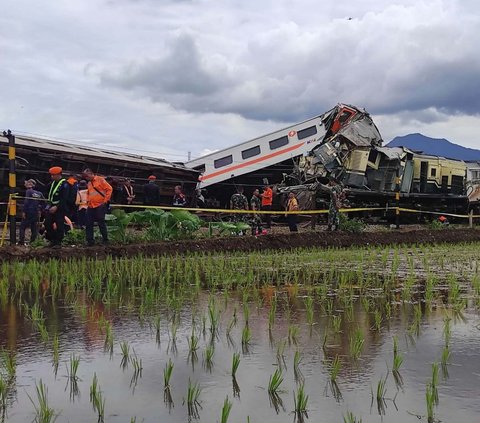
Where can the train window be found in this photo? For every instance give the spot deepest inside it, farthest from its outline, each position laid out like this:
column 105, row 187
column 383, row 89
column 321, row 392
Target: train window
column 433, row 172
column 307, row 132
column 251, row 152
column 279, row 142
column 372, row 156
column 224, row 161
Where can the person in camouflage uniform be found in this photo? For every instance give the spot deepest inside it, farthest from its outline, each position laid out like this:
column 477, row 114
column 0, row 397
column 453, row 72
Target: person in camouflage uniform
column 256, row 205
column 239, row 202
column 336, row 195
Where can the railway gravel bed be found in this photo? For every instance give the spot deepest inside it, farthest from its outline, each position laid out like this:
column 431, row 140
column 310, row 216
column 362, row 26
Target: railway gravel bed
column 246, row 243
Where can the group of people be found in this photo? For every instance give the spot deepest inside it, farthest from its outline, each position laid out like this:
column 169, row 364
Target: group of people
column 258, row 202
column 81, row 202
column 68, row 201
column 263, row 201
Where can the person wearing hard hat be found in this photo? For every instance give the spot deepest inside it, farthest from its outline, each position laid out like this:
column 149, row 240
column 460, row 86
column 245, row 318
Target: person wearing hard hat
column 99, row 194
column 151, row 192
column 56, row 207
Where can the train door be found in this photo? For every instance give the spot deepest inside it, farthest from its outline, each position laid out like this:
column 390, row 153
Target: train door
column 407, row 177
column 423, row 176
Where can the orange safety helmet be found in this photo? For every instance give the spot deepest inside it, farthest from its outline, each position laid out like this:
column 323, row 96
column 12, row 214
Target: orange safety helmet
column 152, row 177
column 55, row 170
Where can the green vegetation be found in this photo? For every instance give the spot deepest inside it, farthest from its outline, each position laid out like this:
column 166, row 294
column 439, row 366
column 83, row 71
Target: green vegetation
column 274, row 382
column 344, row 300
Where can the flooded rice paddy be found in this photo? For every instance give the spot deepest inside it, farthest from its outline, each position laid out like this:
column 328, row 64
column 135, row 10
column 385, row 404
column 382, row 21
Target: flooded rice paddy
column 364, row 334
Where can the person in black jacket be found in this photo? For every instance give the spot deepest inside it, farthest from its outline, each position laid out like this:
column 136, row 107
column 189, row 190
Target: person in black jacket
column 151, row 192
column 58, row 195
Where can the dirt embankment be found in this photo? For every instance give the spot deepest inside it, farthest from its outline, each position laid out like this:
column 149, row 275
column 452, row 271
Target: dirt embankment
column 247, row 243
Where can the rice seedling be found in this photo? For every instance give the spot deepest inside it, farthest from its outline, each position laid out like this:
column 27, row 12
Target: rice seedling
column 246, row 313
column 271, row 313
column 350, row 418
column 381, row 389
column 246, row 336
column 445, row 356
column 235, row 363
column 208, row 356
column 274, row 382
column 430, row 401
column 125, row 350
column 72, row 368
column 300, row 400
column 192, row 343
column 3, row 393
column 297, row 359
column 227, row 407
column 447, row 330
column 293, row 334
column 356, row 344
column 214, row 316
column 173, row 331
column 136, row 363
column 337, row 323
column 309, row 309
column 94, row 389
column 335, row 368
column 434, row 381
column 397, row 356
column 56, row 352
column 167, row 373
column 9, row 361
column 193, row 399
column 99, row 406
column 377, row 315
column 43, row 412
column 108, row 344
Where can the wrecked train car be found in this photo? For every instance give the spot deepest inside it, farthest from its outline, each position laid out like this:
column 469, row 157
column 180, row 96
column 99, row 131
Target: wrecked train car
column 352, row 153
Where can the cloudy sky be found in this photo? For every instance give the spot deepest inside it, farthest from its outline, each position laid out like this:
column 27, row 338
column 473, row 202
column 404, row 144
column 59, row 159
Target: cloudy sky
column 172, row 76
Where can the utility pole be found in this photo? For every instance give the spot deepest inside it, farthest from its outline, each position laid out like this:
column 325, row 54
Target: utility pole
column 189, row 155
column 12, row 183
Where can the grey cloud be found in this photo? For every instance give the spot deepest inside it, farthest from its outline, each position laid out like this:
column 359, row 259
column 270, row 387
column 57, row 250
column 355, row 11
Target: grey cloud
column 388, row 61
column 179, row 74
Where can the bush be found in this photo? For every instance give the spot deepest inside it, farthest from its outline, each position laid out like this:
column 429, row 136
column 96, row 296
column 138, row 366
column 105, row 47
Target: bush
column 351, row 225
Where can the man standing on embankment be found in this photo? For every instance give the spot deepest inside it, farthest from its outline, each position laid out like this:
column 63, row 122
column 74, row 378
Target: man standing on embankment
column 99, row 194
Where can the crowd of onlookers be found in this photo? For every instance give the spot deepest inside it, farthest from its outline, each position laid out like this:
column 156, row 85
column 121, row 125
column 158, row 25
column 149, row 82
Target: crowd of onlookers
column 81, row 201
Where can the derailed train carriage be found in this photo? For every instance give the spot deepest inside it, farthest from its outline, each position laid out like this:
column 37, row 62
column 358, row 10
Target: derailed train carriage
column 34, row 156
column 352, row 153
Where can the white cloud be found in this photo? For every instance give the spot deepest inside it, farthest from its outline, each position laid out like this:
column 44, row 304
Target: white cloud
column 179, row 76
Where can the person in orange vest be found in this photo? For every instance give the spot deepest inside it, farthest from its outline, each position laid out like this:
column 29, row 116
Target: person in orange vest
column 292, row 205
column 56, row 207
column 99, row 194
column 267, row 201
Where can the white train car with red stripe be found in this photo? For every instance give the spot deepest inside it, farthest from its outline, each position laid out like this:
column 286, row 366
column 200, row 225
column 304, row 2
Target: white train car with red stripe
column 259, row 153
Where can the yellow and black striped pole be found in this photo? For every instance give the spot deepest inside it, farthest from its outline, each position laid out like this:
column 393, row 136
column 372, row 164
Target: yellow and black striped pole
column 12, row 183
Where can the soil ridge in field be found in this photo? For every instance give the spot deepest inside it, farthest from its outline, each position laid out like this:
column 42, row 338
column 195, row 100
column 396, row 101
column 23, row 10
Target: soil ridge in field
column 246, row 244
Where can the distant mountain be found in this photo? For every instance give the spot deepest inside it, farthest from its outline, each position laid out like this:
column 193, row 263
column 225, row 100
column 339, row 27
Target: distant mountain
column 435, row 147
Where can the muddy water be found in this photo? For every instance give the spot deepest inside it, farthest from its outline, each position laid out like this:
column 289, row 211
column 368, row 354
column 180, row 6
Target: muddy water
column 141, row 396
